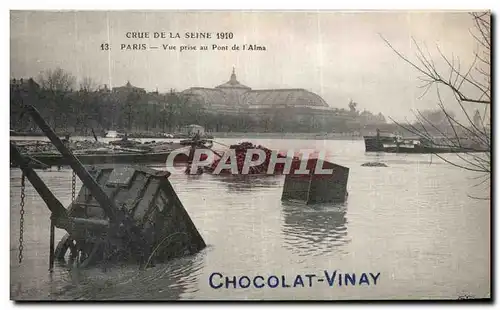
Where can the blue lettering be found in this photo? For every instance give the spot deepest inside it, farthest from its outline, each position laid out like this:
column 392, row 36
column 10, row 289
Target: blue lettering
column 215, row 280
column 229, row 281
column 298, row 280
column 210, row 280
column 330, row 279
column 283, row 282
column 351, row 279
column 364, row 279
column 255, row 282
column 273, row 285
column 375, row 278
column 248, row 282
column 310, row 276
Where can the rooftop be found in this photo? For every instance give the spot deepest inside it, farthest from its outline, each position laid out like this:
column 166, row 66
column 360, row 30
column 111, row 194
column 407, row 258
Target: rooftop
column 128, row 86
column 233, row 83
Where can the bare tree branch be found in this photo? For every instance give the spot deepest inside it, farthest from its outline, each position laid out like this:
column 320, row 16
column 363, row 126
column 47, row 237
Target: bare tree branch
column 87, row 84
column 442, row 128
column 431, row 72
column 57, row 80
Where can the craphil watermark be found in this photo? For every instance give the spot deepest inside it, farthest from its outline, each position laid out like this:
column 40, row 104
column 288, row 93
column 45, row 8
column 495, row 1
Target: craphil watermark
column 301, row 161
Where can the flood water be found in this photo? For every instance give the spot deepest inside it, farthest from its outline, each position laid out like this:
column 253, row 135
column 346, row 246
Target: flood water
column 412, row 222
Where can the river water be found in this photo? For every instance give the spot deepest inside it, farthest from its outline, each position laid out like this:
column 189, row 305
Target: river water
column 413, row 222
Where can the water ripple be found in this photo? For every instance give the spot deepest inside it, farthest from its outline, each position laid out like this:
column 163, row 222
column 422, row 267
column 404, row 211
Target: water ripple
column 411, row 220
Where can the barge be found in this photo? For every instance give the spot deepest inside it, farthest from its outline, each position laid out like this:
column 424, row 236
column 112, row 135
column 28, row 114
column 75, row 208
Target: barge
column 391, row 143
column 376, row 143
column 122, row 151
column 116, row 158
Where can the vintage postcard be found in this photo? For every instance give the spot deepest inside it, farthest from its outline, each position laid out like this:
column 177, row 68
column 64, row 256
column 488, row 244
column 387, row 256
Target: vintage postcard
column 250, row 155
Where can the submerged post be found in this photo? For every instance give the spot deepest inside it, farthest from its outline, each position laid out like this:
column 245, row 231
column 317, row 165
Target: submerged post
column 50, row 200
column 51, row 247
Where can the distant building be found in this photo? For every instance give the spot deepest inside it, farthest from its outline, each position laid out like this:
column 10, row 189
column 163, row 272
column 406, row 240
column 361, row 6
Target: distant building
column 128, row 88
column 24, row 84
column 477, row 119
column 103, row 89
column 193, row 129
column 234, row 96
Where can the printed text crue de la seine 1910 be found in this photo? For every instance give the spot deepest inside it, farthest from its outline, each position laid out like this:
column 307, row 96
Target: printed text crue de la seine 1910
column 176, row 42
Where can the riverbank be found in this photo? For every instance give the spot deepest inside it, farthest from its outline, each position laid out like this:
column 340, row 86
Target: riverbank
column 288, row 136
column 235, row 135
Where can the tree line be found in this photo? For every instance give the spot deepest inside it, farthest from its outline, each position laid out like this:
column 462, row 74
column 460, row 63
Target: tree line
column 89, row 108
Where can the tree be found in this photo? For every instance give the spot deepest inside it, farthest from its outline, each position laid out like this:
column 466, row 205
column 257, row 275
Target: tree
column 172, row 111
column 56, row 85
column 86, row 110
column 352, row 107
column 56, row 80
column 469, row 87
column 438, row 117
column 131, row 102
column 381, row 118
column 87, row 85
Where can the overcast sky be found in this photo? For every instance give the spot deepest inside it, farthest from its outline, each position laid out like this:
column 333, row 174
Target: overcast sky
column 339, row 56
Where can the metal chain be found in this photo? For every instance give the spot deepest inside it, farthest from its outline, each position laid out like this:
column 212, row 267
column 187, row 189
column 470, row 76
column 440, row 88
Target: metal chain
column 21, row 221
column 73, row 186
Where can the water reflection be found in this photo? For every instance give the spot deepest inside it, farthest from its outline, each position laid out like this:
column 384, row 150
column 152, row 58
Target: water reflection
column 314, row 229
column 169, row 281
column 405, row 159
column 31, row 280
column 251, row 221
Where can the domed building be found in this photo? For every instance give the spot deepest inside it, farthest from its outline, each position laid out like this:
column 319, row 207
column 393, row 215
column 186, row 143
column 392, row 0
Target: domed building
column 129, row 88
column 234, row 97
column 294, row 97
column 208, row 97
column 233, row 90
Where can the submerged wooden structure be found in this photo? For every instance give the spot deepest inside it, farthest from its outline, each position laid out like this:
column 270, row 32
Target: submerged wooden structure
column 314, row 188
column 125, row 213
column 151, row 206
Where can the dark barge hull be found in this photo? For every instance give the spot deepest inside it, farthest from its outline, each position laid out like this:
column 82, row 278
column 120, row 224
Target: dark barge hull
column 97, row 159
column 372, row 144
